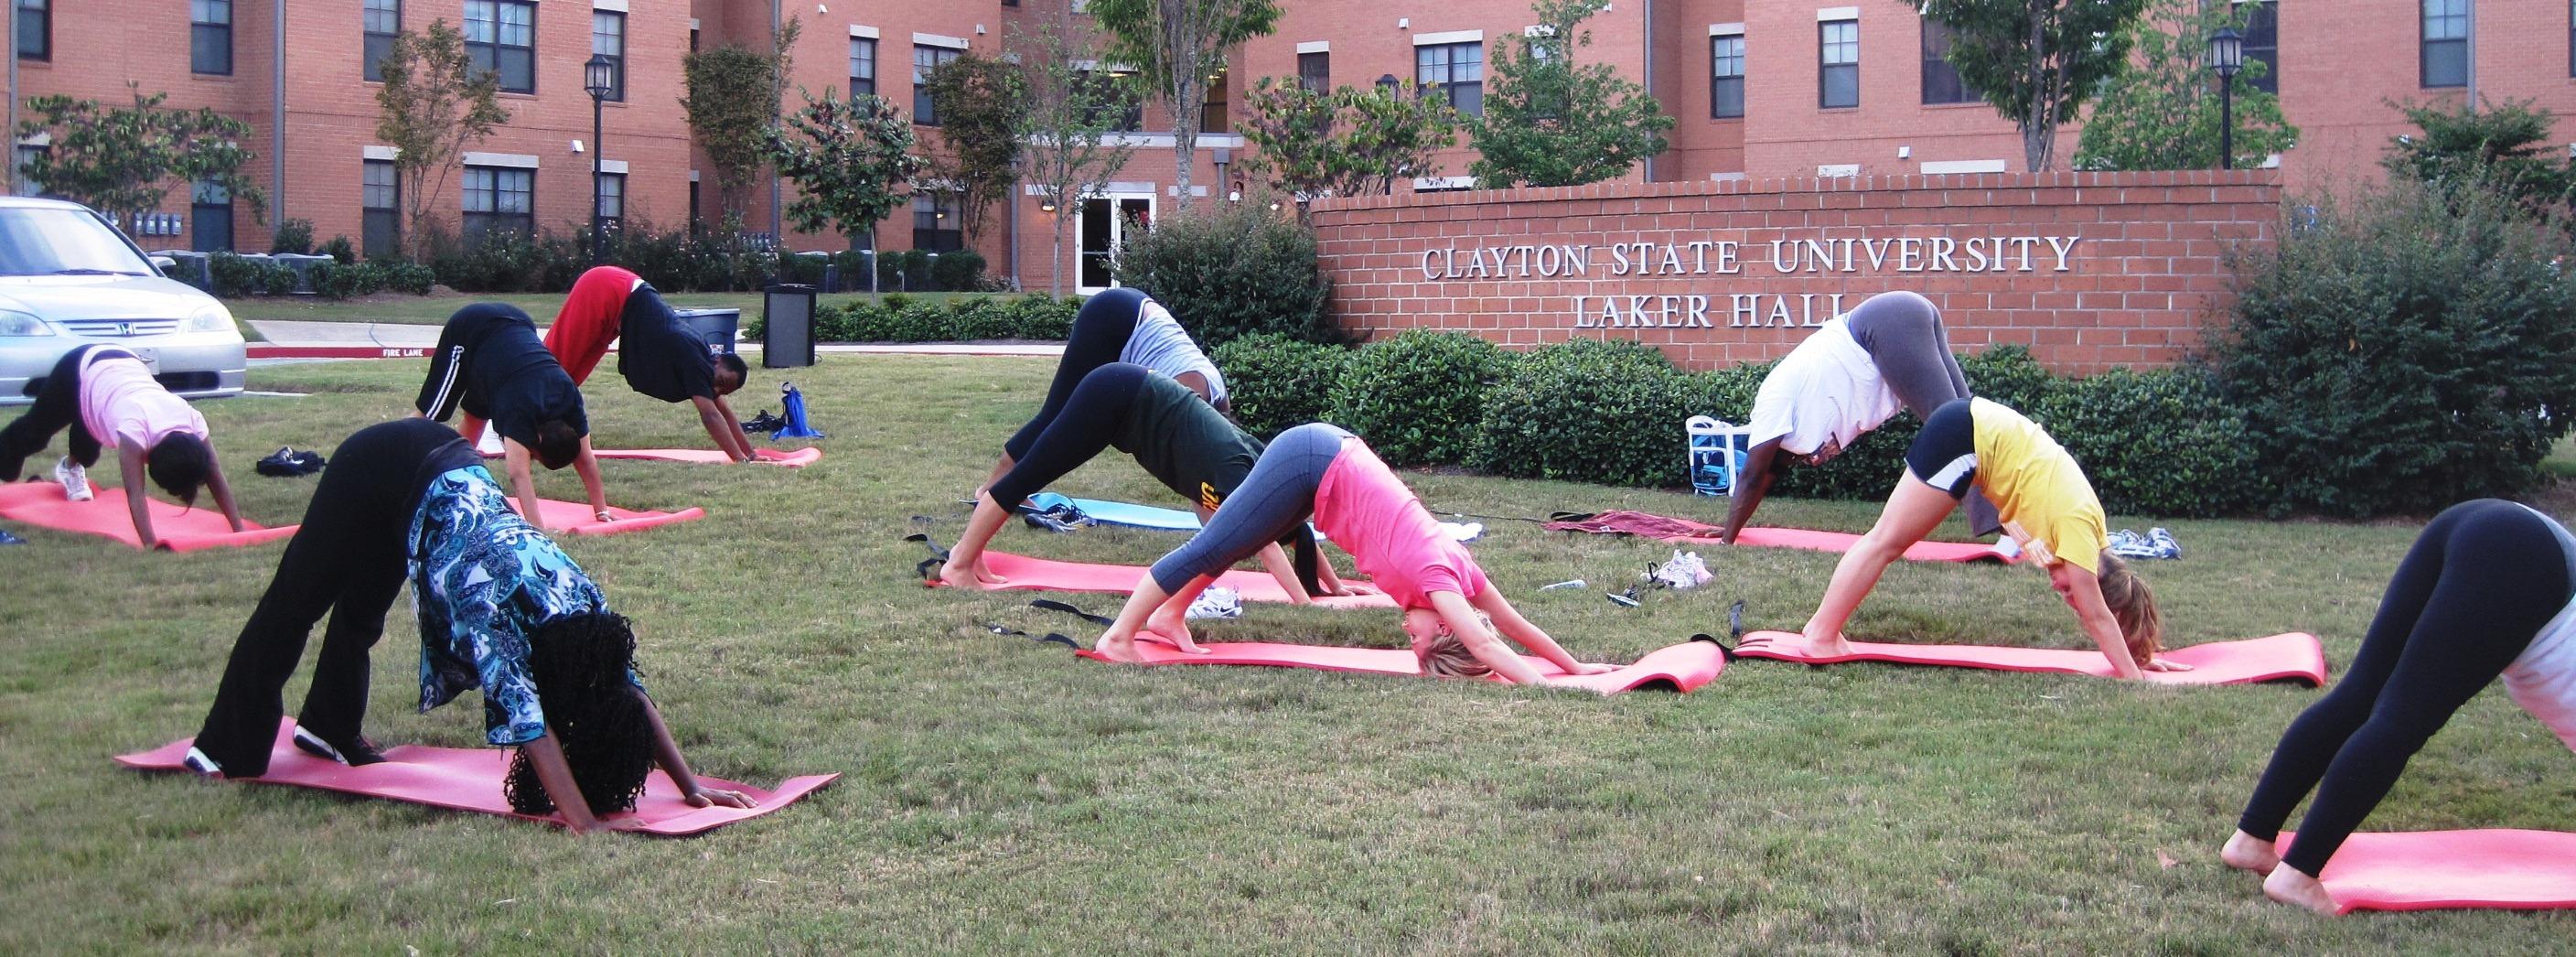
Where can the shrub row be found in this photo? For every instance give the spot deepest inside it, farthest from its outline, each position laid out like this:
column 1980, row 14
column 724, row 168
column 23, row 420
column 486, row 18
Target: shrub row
column 2161, row 442
column 896, row 317
column 1234, row 269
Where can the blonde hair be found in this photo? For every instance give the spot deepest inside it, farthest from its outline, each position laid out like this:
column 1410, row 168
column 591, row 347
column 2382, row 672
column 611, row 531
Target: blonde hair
column 2133, row 605
column 1444, row 656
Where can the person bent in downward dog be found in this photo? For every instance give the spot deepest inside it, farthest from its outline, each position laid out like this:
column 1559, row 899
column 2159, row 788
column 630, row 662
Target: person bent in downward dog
column 2046, row 505
column 1846, row 379
column 1195, row 451
column 658, row 355
column 500, row 608
column 490, row 363
column 1119, row 325
column 1320, row 470
column 2488, row 590
column 104, row 394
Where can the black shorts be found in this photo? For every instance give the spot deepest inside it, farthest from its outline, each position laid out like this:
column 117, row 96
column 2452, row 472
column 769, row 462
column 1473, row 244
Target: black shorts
column 1944, row 455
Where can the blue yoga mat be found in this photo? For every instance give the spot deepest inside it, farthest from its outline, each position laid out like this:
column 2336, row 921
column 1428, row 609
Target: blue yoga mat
column 1122, row 513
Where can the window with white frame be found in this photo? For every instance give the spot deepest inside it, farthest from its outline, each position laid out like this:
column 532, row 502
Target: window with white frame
column 2444, row 59
column 608, row 39
column 501, row 38
column 1456, row 70
column 210, row 36
column 863, row 67
column 379, row 22
column 1726, row 76
column 500, row 198
column 1838, row 64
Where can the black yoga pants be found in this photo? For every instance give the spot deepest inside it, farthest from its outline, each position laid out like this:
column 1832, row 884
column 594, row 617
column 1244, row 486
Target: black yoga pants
column 1099, row 337
column 2468, row 598
column 1903, row 335
column 1077, row 433
column 347, row 559
column 1273, row 500
column 57, row 407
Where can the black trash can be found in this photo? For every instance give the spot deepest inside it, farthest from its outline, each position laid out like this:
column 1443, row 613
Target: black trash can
column 717, row 325
column 787, row 336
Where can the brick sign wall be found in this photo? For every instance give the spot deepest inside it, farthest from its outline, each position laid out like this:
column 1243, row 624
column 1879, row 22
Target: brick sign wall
column 2091, row 270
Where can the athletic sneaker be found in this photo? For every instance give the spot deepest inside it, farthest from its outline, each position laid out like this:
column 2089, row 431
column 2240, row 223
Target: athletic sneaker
column 198, row 762
column 355, row 752
column 2164, row 543
column 1218, row 603
column 75, row 479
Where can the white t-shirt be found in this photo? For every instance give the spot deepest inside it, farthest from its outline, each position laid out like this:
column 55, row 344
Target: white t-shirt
column 1826, row 389
column 1159, row 343
column 2543, row 678
column 120, row 400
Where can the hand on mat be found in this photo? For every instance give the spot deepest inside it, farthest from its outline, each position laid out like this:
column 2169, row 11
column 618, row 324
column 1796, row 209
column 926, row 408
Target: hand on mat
column 1355, row 588
column 2160, row 664
column 1590, row 668
column 719, row 797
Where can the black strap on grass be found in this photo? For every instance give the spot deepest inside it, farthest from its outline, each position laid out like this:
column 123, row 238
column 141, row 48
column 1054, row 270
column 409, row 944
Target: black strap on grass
column 928, row 569
column 1049, row 636
column 1050, row 604
column 1734, row 630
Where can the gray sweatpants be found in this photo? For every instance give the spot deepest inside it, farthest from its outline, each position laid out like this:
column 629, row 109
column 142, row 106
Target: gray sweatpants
column 1903, row 335
column 1276, row 496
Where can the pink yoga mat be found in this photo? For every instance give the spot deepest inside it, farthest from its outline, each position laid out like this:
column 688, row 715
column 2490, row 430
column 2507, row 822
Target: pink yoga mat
column 1041, row 574
column 1681, row 667
column 2430, row 870
column 2286, row 657
column 792, row 458
column 470, row 780
column 44, row 505
column 575, row 518
column 1685, row 531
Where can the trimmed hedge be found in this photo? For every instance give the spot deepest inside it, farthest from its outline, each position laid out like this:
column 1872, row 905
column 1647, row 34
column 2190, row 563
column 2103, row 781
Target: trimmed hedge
column 1418, row 398
column 900, row 318
column 1581, row 411
column 1234, row 269
column 1278, row 382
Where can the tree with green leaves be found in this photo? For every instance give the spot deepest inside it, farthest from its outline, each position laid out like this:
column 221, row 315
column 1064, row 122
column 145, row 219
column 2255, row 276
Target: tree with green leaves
column 1177, row 46
column 122, row 160
column 2036, row 61
column 1070, row 126
column 2162, row 112
column 2505, row 147
column 434, row 103
column 1551, row 122
column 1347, row 142
column 734, row 93
column 851, row 161
column 980, row 100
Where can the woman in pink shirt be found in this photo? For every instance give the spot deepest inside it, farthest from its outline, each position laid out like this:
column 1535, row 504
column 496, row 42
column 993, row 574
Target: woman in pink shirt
column 106, row 396
column 1450, row 610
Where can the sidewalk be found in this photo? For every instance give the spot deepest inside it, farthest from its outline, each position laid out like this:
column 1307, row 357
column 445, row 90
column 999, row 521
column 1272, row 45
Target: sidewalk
column 288, row 339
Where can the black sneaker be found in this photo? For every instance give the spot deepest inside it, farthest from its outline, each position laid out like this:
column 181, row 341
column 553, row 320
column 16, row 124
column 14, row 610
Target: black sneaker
column 355, row 752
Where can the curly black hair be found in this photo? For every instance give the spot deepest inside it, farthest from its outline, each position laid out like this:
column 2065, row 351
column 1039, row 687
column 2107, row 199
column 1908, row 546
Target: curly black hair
column 579, row 664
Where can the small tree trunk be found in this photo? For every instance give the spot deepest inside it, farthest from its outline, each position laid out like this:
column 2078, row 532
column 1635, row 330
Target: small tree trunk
column 1055, row 279
column 1185, row 142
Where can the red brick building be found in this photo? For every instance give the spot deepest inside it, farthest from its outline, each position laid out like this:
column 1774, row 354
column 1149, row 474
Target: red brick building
column 1760, row 91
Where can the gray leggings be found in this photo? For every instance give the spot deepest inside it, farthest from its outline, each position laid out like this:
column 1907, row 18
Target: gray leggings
column 1274, row 498
column 1902, row 333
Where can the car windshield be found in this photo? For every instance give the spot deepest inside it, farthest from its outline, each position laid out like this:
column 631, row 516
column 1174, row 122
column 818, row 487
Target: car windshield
column 63, row 242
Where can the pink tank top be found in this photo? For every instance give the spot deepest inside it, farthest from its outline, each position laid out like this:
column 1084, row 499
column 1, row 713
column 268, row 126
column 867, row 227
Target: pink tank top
column 1370, row 513
column 120, row 400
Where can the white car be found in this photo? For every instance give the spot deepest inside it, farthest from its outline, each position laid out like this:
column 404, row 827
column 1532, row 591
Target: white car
column 69, row 277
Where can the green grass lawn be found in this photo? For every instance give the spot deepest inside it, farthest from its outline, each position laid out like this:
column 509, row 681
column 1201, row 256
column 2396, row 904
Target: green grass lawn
column 433, row 310
column 1000, row 794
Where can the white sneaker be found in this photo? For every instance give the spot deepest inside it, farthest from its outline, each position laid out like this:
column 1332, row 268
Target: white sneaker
column 2007, row 547
column 75, row 479
column 198, row 762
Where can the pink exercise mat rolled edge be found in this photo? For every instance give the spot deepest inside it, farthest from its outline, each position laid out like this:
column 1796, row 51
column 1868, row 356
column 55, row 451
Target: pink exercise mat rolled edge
column 44, row 505
column 791, row 458
column 462, row 779
column 575, row 519
column 1042, row 574
column 2292, row 656
column 1679, row 668
column 2432, row 870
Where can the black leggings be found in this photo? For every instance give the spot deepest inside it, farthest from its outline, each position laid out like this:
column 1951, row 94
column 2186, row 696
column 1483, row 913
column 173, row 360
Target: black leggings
column 1099, row 336
column 57, row 407
column 2470, row 595
column 1270, row 506
column 1079, row 430
column 347, row 559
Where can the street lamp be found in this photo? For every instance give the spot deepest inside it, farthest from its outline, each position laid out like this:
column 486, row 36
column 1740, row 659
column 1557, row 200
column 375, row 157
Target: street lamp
column 599, row 77
column 2226, row 56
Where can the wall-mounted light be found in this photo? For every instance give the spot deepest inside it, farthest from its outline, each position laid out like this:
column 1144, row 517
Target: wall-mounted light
column 1046, row 206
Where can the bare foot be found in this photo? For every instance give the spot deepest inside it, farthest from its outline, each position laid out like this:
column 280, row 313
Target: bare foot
column 1172, row 624
column 1118, row 646
column 961, row 576
column 1800, row 645
column 2245, row 852
column 2289, row 885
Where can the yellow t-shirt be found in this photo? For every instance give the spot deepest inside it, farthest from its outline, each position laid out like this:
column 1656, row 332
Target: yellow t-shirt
column 2046, row 503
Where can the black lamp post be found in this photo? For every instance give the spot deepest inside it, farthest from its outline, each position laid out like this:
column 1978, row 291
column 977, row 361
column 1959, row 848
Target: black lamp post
column 2226, row 56
column 599, row 77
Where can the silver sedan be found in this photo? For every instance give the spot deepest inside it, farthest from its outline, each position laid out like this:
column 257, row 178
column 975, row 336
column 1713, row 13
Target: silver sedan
column 67, row 278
